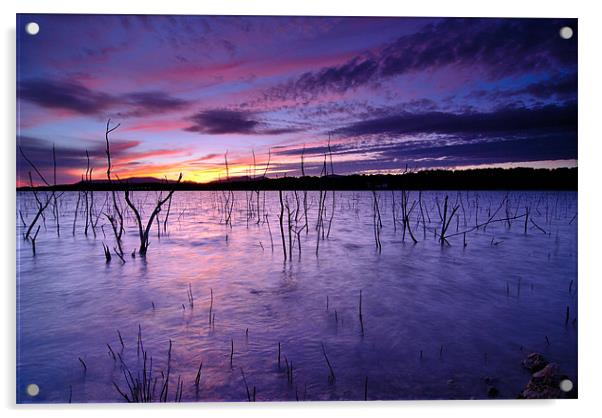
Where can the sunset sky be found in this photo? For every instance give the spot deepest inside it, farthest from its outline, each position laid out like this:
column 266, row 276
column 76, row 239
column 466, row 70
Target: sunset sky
column 390, row 92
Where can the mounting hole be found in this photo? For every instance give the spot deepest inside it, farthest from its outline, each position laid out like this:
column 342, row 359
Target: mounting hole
column 566, row 32
column 32, row 389
column 566, row 385
column 32, row 28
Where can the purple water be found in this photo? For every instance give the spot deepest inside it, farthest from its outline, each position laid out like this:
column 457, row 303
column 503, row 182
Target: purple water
column 473, row 312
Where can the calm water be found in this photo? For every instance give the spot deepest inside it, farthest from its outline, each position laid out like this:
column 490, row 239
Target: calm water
column 473, row 312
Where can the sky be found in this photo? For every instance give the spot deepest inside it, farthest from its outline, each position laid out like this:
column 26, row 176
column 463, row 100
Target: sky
column 386, row 93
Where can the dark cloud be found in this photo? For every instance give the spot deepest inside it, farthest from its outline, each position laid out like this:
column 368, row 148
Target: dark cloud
column 483, row 44
column 39, row 151
column 562, row 88
column 352, row 74
column 64, row 95
column 152, row 102
column 557, row 87
column 533, row 44
column 221, row 121
column 506, row 135
column 505, row 120
column 224, row 121
column 77, row 98
column 279, row 131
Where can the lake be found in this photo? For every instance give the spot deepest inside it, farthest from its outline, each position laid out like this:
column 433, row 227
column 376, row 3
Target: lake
column 437, row 321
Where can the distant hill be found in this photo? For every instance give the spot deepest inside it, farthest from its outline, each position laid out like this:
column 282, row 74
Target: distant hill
column 478, row 179
column 131, row 180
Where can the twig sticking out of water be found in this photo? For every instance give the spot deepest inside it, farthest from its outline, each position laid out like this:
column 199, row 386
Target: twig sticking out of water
column 360, row 314
column 288, row 370
column 83, row 364
column 33, row 241
column 179, row 387
column 332, row 211
column 321, row 212
column 331, row 376
column 484, row 224
column 290, row 230
column 267, row 221
column 107, row 252
column 120, row 339
column 422, row 218
column 377, row 224
column 527, row 212
column 281, row 220
column 165, row 388
column 140, row 347
column 279, row 355
column 111, row 352
column 211, row 306
column 189, row 295
column 143, row 232
column 142, row 388
column 56, row 206
column 197, row 379
column 406, row 215
column 231, row 351
column 116, row 223
column 446, row 221
column 244, row 379
column 538, row 227
column 41, row 208
column 566, row 317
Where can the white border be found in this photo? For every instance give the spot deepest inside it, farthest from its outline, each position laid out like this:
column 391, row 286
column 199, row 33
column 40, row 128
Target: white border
column 590, row 201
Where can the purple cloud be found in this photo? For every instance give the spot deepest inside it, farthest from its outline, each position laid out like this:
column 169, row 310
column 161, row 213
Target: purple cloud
column 224, row 121
column 505, row 120
column 77, row 98
column 534, row 45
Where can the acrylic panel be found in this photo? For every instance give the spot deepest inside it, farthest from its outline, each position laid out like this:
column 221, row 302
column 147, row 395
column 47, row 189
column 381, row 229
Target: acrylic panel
column 256, row 208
